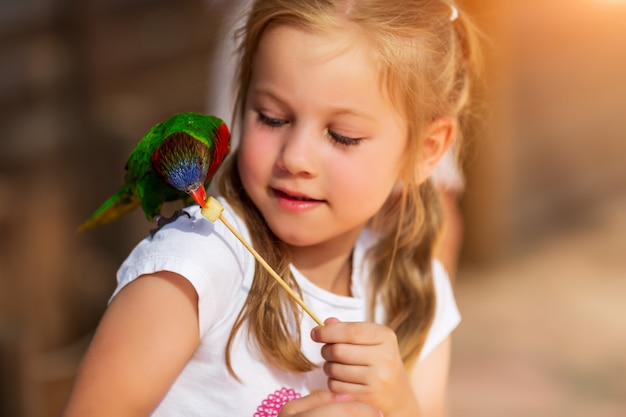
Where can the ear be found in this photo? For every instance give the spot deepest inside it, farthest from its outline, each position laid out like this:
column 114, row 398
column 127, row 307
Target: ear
column 437, row 139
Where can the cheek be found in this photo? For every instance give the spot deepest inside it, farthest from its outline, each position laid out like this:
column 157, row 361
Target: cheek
column 256, row 154
column 370, row 182
column 385, row 173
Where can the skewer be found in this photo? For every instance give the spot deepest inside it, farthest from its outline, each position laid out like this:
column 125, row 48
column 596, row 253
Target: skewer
column 213, row 211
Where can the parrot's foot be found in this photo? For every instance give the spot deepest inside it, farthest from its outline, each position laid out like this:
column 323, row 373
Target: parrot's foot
column 161, row 221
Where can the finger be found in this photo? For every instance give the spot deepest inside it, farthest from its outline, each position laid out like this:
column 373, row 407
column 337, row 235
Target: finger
column 350, row 354
column 348, row 388
column 351, row 374
column 362, row 333
column 350, row 408
column 341, row 408
column 311, row 401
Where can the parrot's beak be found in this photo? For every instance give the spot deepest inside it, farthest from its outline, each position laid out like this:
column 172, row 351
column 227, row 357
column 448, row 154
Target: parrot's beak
column 199, row 194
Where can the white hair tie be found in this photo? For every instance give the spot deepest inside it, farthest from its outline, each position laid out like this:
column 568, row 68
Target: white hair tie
column 454, row 13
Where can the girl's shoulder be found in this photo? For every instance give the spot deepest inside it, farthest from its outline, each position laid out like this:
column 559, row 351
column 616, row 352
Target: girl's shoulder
column 206, row 253
column 194, row 239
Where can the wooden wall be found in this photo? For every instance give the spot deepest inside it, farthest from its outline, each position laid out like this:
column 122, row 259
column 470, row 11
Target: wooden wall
column 79, row 83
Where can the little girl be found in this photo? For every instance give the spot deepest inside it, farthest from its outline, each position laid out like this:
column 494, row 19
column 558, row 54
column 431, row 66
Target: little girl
column 345, row 107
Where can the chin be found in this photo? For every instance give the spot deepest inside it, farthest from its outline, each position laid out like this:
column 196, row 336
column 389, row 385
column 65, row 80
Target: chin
column 297, row 236
column 291, row 239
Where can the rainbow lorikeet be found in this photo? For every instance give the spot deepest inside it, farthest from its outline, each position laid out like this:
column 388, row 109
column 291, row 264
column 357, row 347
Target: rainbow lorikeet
column 175, row 160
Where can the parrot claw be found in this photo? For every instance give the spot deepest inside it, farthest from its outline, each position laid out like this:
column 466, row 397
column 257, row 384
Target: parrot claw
column 161, row 221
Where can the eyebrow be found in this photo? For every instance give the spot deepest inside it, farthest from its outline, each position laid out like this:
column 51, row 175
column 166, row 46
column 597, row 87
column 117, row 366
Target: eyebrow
column 340, row 111
column 267, row 93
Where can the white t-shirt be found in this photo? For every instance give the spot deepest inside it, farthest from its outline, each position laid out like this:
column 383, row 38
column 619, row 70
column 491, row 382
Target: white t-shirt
column 221, row 270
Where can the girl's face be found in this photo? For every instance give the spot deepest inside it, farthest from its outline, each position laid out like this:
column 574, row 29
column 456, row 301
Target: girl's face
column 322, row 144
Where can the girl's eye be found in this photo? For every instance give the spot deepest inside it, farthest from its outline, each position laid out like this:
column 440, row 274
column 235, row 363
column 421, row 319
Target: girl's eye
column 271, row 121
column 344, row 140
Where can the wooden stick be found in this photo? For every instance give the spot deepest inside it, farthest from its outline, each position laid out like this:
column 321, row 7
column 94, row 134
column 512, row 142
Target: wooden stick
column 213, row 211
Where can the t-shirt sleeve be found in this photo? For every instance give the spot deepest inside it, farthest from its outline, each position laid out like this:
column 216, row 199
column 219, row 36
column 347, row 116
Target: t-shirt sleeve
column 200, row 251
column 447, row 316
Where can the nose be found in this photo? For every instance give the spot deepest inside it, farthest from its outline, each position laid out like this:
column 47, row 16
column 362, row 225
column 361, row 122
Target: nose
column 298, row 152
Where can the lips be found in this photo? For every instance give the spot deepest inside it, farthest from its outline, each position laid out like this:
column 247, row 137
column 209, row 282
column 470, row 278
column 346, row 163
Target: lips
column 290, row 195
column 295, row 202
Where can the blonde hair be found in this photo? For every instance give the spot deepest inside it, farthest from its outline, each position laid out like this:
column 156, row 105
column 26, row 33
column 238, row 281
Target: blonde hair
column 427, row 63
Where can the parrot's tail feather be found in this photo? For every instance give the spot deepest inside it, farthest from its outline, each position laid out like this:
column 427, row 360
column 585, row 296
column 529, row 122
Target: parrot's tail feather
column 114, row 208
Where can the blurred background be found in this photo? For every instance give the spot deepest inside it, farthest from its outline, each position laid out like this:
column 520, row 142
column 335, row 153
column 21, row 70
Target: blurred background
column 542, row 278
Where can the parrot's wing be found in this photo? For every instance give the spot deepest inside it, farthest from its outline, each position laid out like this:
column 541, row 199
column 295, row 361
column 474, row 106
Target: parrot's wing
column 139, row 163
column 153, row 192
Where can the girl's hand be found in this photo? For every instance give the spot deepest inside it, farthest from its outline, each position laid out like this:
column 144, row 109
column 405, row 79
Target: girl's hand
column 363, row 361
column 327, row 404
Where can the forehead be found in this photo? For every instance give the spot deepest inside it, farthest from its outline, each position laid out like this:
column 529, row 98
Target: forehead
column 323, row 77
column 295, row 43
column 336, row 60
column 359, row 51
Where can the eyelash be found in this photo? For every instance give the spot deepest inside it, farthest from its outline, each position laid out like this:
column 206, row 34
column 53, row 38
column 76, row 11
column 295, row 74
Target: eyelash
column 274, row 123
column 271, row 122
column 343, row 140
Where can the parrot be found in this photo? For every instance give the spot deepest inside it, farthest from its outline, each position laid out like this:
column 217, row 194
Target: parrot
column 175, row 160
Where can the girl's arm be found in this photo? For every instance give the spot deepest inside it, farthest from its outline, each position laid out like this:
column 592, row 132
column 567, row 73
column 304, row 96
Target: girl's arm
column 363, row 361
column 429, row 379
column 326, row 404
column 145, row 338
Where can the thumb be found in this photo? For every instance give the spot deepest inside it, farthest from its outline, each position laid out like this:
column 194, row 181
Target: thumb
column 314, row 400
